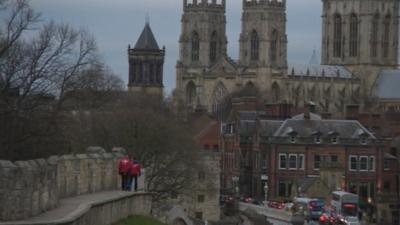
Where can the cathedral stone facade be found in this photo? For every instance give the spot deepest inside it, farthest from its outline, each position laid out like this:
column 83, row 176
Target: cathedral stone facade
column 362, row 35
column 360, row 38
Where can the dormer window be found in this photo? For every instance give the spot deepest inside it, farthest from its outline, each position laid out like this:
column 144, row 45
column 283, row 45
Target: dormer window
column 363, row 136
column 334, row 137
column 293, row 139
column 335, row 140
column 292, row 135
column 363, row 140
column 318, row 139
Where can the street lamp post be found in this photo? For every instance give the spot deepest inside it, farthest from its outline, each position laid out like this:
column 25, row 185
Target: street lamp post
column 266, row 192
column 235, row 181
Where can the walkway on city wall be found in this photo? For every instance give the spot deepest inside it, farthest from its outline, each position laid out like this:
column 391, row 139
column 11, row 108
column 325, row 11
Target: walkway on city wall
column 102, row 208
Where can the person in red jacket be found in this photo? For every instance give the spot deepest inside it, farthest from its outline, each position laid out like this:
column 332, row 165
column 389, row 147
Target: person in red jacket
column 135, row 172
column 124, row 166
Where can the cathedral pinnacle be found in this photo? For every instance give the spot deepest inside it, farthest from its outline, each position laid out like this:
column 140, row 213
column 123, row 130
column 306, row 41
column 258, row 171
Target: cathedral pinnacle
column 147, row 19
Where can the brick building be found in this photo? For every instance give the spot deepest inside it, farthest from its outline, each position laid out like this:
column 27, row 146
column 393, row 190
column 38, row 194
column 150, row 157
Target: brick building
column 268, row 147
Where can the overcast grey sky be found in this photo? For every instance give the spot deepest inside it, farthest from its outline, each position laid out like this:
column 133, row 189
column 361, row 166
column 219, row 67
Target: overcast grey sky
column 117, row 23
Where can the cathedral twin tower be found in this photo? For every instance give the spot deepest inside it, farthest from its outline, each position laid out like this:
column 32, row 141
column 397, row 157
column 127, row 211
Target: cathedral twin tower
column 359, row 38
column 205, row 74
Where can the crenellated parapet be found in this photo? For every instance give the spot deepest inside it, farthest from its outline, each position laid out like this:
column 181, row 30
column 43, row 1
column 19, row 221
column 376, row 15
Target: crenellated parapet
column 204, row 5
column 276, row 4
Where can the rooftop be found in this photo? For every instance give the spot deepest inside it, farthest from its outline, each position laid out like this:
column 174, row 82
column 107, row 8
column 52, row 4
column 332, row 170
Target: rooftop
column 387, row 85
column 146, row 40
column 348, row 129
column 316, row 70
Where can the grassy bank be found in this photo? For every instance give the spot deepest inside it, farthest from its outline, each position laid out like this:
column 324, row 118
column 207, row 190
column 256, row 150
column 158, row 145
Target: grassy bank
column 139, row 220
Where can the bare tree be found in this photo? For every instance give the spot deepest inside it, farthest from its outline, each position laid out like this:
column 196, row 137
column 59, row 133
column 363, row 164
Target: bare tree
column 21, row 18
column 37, row 68
column 146, row 128
column 93, row 88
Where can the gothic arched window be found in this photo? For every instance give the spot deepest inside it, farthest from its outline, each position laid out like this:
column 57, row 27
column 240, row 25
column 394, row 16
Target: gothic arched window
column 274, row 45
column 151, row 73
column 217, row 97
column 374, row 36
column 312, row 93
column 353, row 35
column 159, row 73
column 140, row 72
column 386, row 35
column 255, row 45
column 190, row 93
column 337, row 36
column 195, row 47
column 276, row 92
column 213, row 46
column 250, row 85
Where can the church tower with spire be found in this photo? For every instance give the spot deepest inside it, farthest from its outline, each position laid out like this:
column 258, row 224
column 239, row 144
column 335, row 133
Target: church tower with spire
column 146, row 62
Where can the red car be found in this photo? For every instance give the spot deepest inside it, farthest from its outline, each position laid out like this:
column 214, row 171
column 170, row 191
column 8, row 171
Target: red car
column 276, row 205
column 328, row 217
column 248, row 200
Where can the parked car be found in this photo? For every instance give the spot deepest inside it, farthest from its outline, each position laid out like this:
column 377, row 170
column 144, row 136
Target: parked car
column 349, row 220
column 276, row 205
column 257, row 202
column 328, row 216
column 223, row 199
column 248, row 200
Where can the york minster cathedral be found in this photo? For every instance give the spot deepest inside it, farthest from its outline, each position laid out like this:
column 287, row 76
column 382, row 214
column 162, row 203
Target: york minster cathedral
column 359, row 55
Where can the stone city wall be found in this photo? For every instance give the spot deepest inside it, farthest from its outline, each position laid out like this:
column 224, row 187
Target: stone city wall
column 28, row 188
column 101, row 211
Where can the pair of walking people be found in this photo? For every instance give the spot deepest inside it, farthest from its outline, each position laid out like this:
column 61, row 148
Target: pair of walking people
column 129, row 170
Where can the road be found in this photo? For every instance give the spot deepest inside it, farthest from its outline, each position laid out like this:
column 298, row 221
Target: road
column 280, row 222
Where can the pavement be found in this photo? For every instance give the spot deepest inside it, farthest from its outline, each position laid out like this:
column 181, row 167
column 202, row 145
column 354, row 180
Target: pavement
column 71, row 207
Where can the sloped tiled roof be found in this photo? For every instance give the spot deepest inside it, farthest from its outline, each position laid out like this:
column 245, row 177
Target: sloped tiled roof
column 146, row 40
column 307, row 128
column 251, row 115
column 313, row 116
column 247, row 127
column 387, row 85
column 315, row 70
column 269, row 127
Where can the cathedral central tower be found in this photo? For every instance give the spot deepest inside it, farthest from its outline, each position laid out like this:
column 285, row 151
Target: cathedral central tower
column 360, row 32
column 361, row 35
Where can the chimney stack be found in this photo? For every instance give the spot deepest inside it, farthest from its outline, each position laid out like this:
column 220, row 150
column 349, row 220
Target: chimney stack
column 310, row 108
column 352, row 112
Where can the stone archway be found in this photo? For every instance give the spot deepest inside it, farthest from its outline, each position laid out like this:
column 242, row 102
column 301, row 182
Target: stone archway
column 190, row 93
column 177, row 215
column 219, row 94
column 275, row 92
column 179, row 221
